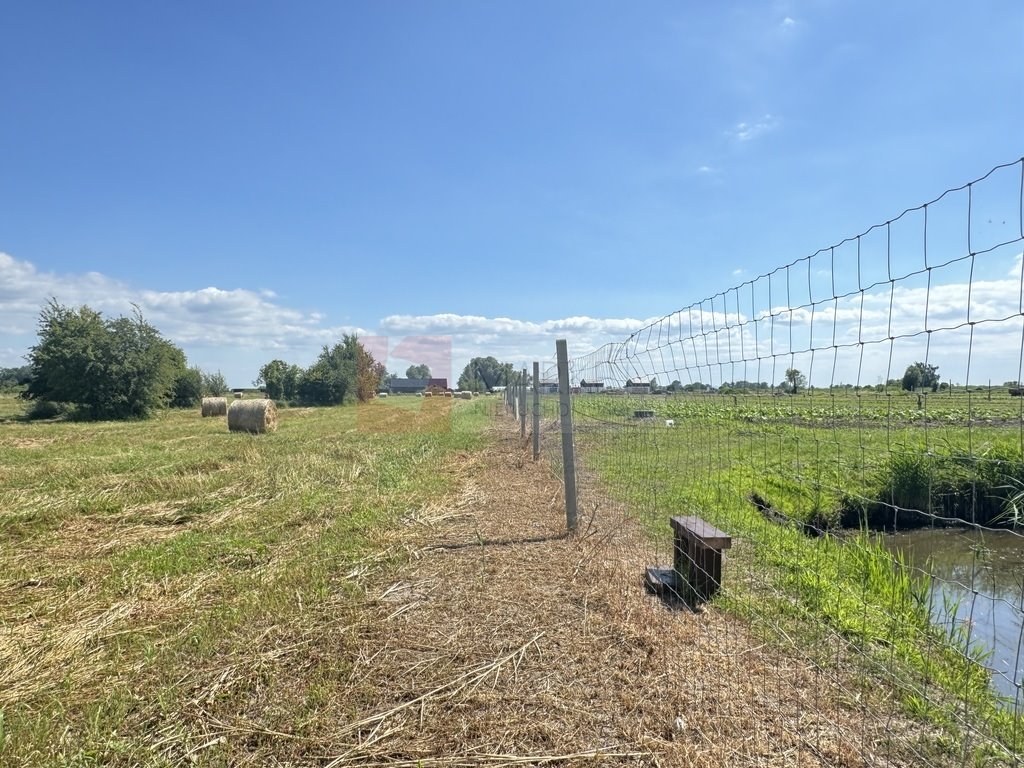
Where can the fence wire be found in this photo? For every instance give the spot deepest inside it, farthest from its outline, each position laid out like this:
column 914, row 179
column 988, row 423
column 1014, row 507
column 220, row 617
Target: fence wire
column 854, row 420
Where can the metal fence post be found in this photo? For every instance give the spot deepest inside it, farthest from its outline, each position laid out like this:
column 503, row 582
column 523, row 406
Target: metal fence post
column 522, row 405
column 515, row 397
column 565, row 418
column 536, row 410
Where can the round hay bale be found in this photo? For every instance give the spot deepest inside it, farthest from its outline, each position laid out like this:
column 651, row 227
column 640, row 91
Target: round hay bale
column 252, row 416
column 214, row 406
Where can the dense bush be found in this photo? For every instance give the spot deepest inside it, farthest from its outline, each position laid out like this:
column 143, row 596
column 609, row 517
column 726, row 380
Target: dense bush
column 45, row 409
column 343, row 372
column 188, row 389
column 109, row 369
column 280, row 380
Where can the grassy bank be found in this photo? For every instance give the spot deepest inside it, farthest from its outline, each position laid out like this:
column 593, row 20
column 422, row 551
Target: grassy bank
column 841, row 600
column 153, row 569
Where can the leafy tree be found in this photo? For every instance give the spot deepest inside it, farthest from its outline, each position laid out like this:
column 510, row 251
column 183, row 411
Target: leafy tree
column 418, row 372
column 214, row 384
column 330, row 379
column 110, row 369
column 795, row 379
column 911, row 379
column 274, row 378
column 342, row 372
column 920, row 375
column 188, row 388
column 369, row 372
column 319, row 386
column 484, row 373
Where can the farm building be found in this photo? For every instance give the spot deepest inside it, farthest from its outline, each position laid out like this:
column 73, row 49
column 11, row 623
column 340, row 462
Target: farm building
column 547, row 387
column 414, row 386
column 638, row 388
column 591, row 387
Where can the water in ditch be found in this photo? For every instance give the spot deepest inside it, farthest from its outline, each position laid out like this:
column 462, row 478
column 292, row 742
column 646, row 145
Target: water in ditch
column 982, row 574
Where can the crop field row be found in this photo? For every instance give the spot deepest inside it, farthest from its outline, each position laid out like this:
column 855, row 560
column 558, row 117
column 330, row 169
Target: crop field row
column 799, row 480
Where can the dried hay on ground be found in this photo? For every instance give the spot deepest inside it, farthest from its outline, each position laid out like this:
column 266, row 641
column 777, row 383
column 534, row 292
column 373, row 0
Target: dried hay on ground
column 255, row 416
column 504, row 642
column 214, row 406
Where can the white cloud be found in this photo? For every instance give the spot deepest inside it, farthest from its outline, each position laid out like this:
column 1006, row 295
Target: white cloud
column 856, row 339
column 787, row 22
column 207, row 318
column 239, row 329
column 748, row 131
column 1015, row 270
column 516, row 341
column 724, row 338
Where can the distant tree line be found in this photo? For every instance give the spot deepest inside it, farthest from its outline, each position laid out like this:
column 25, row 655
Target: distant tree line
column 94, row 367
column 482, row 374
column 10, row 378
column 421, row 371
column 342, row 373
column 918, row 375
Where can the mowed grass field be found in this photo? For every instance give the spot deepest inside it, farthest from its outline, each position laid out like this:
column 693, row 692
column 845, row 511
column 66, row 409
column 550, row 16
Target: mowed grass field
column 149, row 570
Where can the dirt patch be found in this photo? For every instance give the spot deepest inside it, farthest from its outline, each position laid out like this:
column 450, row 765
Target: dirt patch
column 27, row 442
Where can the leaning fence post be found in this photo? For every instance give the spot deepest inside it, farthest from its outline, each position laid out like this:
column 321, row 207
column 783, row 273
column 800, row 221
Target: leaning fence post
column 565, row 418
column 522, row 405
column 536, row 410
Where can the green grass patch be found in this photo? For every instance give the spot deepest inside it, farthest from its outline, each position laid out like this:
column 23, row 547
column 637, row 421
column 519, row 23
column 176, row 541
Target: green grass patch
column 842, row 597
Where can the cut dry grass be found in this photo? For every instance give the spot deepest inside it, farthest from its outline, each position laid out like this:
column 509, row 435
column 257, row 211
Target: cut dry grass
column 505, row 642
column 134, row 552
column 392, row 598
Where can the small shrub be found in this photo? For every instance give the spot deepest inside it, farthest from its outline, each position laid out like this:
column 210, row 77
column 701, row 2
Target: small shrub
column 45, row 409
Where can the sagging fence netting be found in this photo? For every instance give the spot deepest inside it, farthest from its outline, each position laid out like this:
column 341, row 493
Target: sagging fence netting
column 853, row 419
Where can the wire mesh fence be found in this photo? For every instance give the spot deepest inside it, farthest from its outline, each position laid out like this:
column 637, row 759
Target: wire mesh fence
column 854, row 421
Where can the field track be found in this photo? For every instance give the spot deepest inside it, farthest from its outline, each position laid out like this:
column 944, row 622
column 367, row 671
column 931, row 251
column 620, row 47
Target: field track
column 505, row 643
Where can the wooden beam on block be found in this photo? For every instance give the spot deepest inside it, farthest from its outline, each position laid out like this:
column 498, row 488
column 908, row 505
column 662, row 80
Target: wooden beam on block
column 697, row 557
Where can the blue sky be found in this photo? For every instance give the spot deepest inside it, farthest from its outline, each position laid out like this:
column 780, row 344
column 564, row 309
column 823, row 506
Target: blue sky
column 262, row 177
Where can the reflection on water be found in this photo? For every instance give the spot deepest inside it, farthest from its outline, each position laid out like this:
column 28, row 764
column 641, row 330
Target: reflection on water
column 983, row 571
